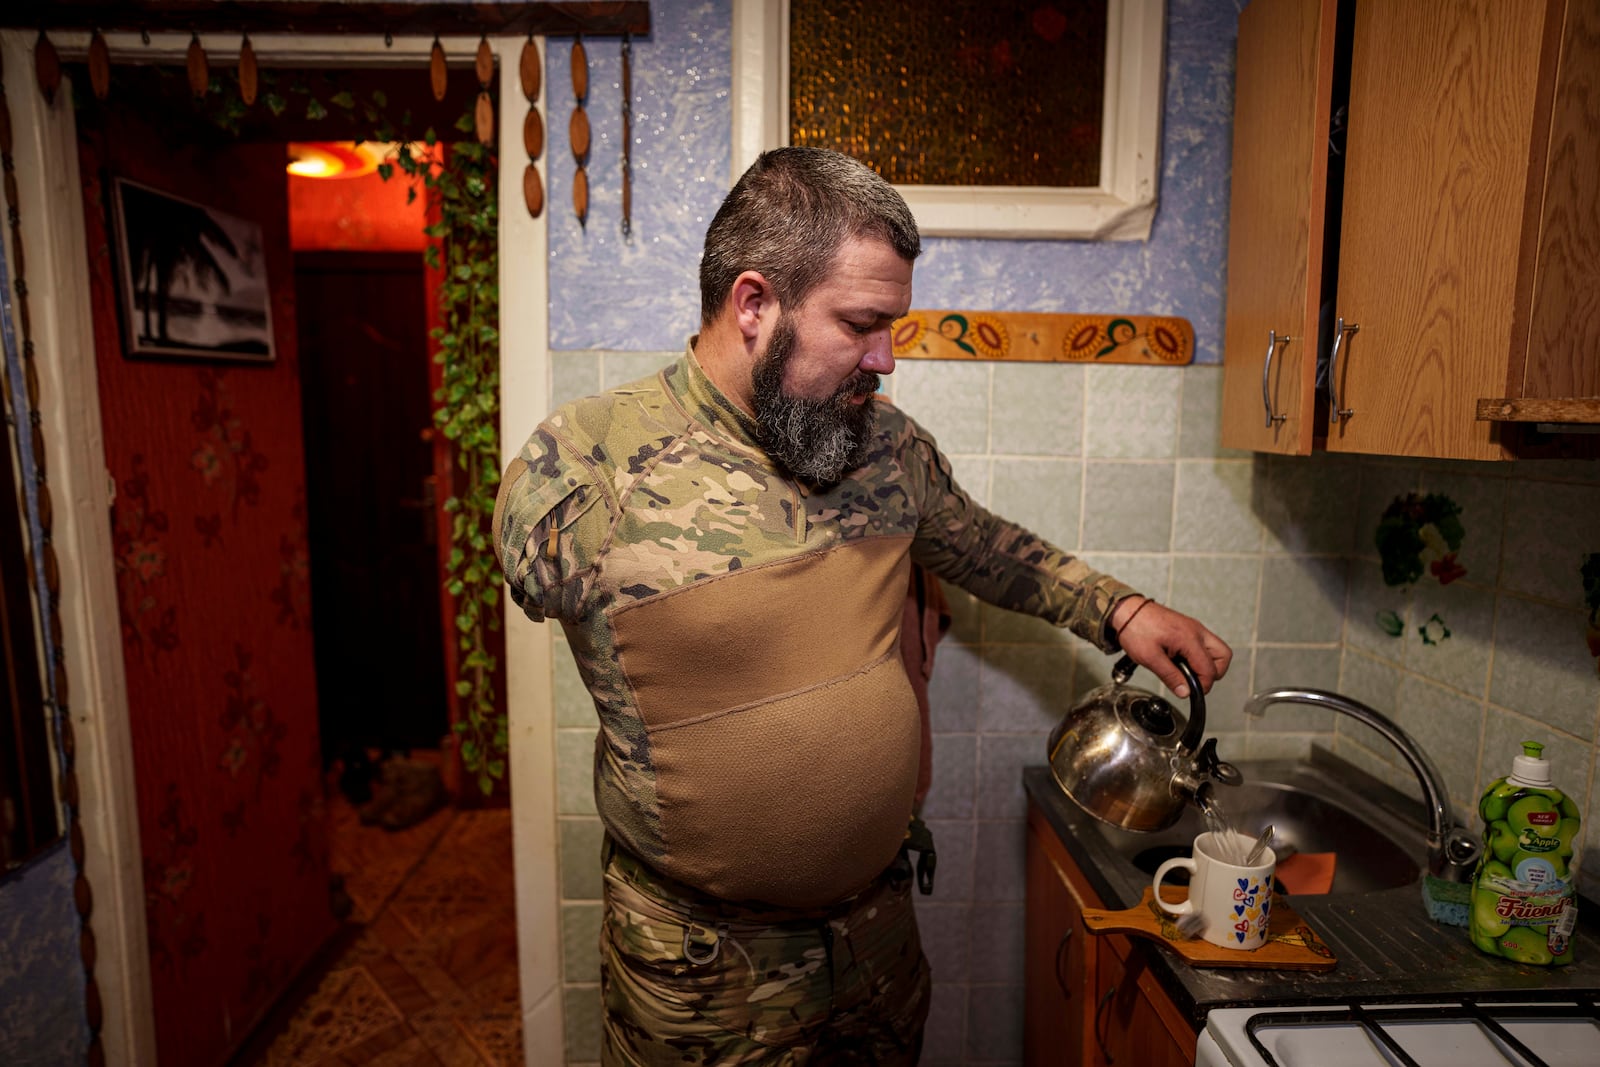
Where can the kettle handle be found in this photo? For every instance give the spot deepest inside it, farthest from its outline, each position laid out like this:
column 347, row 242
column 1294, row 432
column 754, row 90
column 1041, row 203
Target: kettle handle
column 1195, row 731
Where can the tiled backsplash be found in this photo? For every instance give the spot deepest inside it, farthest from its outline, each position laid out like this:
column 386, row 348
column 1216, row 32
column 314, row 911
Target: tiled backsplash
column 1276, row 555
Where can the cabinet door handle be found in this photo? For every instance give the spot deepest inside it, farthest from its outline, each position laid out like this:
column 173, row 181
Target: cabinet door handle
column 1340, row 332
column 1061, row 951
column 1266, row 376
column 1099, row 1011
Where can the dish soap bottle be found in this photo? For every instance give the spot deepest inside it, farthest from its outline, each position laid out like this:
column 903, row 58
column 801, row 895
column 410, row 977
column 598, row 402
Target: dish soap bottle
column 1524, row 891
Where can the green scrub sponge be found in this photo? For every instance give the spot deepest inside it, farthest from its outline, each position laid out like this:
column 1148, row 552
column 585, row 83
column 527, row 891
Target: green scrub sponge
column 1448, row 902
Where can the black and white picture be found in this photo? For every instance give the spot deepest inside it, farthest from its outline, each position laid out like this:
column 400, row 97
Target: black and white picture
column 193, row 279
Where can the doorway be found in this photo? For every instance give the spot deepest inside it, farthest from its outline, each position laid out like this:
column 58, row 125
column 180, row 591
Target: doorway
column 278, row 576
column 371, row 498
column 52, row 227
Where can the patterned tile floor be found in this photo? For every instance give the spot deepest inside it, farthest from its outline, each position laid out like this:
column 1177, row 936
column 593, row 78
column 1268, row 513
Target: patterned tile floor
column 427, row 972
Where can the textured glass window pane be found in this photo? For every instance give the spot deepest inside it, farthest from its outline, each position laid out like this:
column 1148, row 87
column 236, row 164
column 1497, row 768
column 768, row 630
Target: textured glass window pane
column 952, row 92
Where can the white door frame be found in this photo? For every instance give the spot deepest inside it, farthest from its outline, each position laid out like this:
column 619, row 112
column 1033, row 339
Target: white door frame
column 52, row 224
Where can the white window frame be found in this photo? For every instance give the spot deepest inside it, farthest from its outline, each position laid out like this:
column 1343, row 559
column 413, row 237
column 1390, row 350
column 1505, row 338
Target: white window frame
column 1121, row 208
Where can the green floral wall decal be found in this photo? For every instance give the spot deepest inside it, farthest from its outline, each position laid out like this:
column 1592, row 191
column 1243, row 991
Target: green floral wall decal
column 1434, row 631
column 1419, row 534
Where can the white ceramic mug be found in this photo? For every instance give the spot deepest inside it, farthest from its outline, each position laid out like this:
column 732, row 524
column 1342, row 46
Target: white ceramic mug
column 1235, row 901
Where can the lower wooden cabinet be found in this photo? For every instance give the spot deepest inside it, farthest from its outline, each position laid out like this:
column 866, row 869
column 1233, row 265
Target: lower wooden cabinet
column 1089, row 999
column 1136, row 1023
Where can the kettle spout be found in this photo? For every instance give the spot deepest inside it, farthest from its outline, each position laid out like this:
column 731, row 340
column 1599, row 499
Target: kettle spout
column 1195, row 781
column 1214, row 767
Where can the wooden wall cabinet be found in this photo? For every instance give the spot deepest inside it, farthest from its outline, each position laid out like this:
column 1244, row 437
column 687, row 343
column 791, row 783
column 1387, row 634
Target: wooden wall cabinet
column 1415, row 200
column 1090, row 1000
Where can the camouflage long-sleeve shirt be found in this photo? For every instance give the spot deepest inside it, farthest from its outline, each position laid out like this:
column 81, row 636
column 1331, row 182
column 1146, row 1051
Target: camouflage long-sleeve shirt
column 738, row 630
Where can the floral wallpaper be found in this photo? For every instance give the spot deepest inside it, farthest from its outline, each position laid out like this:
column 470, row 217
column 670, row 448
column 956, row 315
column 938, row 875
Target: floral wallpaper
column 213, row 582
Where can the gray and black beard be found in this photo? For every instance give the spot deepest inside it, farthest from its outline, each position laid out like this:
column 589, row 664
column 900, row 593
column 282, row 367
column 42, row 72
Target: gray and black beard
column 815, row 440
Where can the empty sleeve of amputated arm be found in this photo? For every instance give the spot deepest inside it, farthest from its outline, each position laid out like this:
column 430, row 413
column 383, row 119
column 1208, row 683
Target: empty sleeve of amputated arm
column 1002, row 563
column 547, row 530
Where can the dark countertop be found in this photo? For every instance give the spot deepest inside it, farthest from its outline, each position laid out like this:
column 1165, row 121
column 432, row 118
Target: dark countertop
column 1387, row 947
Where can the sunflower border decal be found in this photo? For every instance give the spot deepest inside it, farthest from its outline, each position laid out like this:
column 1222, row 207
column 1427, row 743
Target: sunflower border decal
column 1043, row 337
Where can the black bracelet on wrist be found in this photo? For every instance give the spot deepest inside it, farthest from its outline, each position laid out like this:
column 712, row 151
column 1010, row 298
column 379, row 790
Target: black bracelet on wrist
column 1117, row 632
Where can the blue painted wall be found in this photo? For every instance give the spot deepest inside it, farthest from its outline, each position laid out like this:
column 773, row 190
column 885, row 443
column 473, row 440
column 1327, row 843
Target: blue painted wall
column 42, row 1018
column 639, row 294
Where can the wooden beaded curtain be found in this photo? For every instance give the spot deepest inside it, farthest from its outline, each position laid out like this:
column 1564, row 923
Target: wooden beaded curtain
column 598, row 18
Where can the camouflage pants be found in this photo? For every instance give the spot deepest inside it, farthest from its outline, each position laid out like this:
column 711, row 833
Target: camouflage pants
column 689, row 979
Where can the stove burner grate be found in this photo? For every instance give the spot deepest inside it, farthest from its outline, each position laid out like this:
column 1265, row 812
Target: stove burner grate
column 1374, row 1018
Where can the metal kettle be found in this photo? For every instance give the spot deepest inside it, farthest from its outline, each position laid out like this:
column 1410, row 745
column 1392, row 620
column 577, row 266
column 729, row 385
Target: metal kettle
column 1129, row 758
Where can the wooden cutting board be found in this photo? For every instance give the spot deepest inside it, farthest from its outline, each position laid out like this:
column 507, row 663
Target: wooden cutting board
column 1291, row 944
column 1044, row 337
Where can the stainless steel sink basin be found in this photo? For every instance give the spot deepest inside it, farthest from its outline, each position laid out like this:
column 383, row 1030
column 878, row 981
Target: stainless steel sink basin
column 1310, row 809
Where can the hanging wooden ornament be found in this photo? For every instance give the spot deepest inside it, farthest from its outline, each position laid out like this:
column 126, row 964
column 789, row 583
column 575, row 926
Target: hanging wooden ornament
column 46, row 67
column 199, row 71
column 533, row 191
column 528, row 70
column 99, row 66
column 578, row 131
column 436, row 71
column 249, row 77
column 580, row 196
column 580, row 70
column 533, row 134
column 483, row 117
column 483, row 63
column 578, row 134
column 483, row 112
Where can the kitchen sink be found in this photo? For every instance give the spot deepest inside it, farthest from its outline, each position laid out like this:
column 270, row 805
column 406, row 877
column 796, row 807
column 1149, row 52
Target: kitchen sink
column 1311, row 810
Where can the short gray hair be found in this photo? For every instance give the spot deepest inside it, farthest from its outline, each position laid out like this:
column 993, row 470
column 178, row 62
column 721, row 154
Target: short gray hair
column 788, row 215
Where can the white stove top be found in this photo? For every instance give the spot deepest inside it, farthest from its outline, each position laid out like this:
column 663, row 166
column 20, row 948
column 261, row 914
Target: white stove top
column 1432, row 1034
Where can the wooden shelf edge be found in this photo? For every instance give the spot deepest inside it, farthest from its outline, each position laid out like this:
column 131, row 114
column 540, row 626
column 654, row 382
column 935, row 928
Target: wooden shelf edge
column 1574, row 409
column 589, row 17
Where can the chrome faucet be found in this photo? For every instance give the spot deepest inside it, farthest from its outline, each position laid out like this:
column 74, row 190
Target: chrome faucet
column 1452, row 850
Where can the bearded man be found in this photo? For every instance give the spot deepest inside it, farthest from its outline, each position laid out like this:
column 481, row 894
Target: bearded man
column 727, row 545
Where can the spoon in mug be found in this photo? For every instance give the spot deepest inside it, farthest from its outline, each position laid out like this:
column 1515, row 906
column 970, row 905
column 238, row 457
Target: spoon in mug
column 1259, row 847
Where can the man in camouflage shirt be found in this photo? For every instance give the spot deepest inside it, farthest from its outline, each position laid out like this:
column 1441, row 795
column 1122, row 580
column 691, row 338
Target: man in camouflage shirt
column 727, row 545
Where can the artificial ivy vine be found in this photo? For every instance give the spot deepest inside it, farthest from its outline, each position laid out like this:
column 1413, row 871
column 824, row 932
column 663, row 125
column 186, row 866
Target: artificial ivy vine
column 468, row 414
column 467, row 402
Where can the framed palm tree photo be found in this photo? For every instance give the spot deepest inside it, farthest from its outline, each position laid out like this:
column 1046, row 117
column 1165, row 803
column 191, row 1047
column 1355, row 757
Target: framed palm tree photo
column 192, row 279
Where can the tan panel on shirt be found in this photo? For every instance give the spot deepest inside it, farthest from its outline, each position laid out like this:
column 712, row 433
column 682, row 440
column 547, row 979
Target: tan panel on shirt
column 757, row 633
column 800, row 801
column 782, row 728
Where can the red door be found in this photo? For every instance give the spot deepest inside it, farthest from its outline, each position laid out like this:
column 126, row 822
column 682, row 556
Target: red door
column 208, row 468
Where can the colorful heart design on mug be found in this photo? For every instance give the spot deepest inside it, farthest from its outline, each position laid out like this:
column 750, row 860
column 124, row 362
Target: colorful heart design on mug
column 1240, row 936
column 1244, row 884
column 1238, row 909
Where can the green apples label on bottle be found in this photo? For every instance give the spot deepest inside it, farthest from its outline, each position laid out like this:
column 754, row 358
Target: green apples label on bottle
column 1524, row 905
